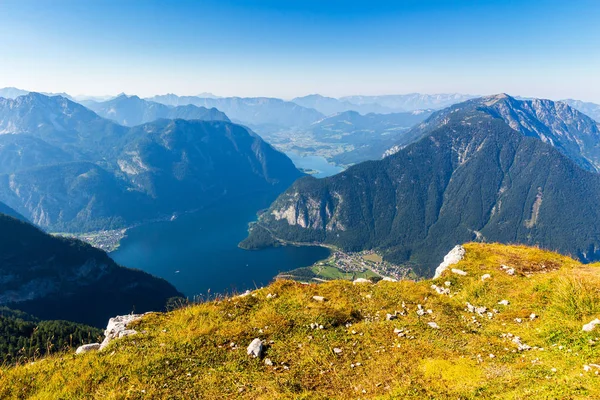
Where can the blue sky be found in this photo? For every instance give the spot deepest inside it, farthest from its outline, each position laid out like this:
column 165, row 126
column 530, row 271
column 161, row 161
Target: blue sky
column 542, row 48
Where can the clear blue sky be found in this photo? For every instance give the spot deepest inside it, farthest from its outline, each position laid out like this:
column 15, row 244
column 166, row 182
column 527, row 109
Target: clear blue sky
column 543, row 48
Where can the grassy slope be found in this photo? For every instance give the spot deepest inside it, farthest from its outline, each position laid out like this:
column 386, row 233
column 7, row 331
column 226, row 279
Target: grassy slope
column 188, row 353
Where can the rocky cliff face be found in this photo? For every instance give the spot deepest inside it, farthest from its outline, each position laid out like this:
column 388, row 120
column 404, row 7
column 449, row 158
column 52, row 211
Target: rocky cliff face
column 573, row 133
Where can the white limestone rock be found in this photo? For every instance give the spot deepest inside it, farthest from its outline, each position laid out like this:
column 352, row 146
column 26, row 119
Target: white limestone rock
column 86, row 348
column 459, row 272
column 117, row 328
column 509, row 270
column 485, row 276
column 453, row 257
column 591, row 325
column 319, row 299
column 433, row 325
column 255, row 349
column 361, row 280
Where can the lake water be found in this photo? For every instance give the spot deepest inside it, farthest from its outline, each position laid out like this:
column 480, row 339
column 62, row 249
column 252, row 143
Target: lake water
column 198, row 252
column 316, row 163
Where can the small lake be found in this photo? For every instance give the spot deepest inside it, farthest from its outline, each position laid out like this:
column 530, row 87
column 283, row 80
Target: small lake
column 316, row 163
column 198, row 252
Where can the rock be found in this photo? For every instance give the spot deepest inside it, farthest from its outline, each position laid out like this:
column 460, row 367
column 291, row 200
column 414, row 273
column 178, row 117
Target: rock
column 504, row 302
column 485, row 276
column 440, row 290
column 117, row 328
column 532, row 316
column 388, row 279
column 453, row 257
column 448, row 283
column 518, row 320
column 390, row 317
column 433, row 325
column 508, row 270
column 86, row 348
column 459, row 272
column 255, row 349
column 361, row 280
column 271, row 296
column 268, row 362
column 337, row 350
column 591, row 325
column 319, row 298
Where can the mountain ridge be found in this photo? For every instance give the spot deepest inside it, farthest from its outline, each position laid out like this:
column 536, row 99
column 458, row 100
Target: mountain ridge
column 474, row 176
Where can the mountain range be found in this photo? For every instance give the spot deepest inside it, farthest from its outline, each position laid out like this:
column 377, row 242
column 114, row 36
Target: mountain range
column 366, row 137
column 590, row 109
column 259, row 113
column 485, row 169
column 131, row 111
column 67, row 169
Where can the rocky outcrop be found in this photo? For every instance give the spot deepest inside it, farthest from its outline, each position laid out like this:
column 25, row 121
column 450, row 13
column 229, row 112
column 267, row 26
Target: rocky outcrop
column 117, row 328
column 453, row 257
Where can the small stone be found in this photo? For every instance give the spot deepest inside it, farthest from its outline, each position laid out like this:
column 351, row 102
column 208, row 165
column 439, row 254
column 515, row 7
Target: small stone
column 492, row 356
column 458, row 272
column 433, row 325
column 533, row 316
column 448, row 283
column 591, row 325
column 337, row 350
column 388, row 279
column 518, row 320
column 361, row 280
column 508, row 270
column 485, row 276
column 319, row 298
column 255, row 349
column 504, row 302
column 268, row 362
column 390, row 317
column 553, row 370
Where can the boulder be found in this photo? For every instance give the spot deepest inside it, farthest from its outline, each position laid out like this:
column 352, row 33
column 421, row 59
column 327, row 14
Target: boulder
column 319, row 298
column 459, row 272
column 86, row 348
column 117, row 328
column 255, row 349
column 453, row 257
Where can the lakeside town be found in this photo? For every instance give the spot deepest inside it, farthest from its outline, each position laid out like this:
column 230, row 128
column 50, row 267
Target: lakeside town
column 107, row 240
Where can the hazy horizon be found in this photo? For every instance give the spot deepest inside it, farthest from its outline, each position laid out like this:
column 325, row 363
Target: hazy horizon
column 266, row 49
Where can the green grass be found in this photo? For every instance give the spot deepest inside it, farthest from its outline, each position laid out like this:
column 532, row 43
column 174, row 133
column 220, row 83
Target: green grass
column 188, row 353
column 330, row 272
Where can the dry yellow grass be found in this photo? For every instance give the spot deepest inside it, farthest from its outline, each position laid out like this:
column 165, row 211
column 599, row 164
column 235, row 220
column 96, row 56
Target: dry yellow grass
column 200, row 351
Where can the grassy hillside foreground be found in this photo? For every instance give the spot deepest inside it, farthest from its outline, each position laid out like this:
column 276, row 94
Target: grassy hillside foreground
column 200, row 351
